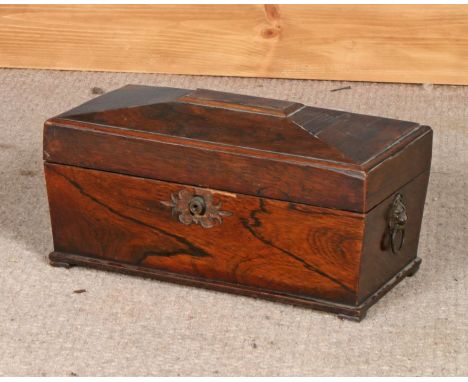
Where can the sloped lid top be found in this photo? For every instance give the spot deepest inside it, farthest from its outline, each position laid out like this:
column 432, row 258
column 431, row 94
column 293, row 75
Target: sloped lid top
column 248, row 145
column 260, row 124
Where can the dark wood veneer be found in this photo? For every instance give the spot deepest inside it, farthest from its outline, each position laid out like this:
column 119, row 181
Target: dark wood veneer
column 305, row 194
column 257, row 153
column 121, row 218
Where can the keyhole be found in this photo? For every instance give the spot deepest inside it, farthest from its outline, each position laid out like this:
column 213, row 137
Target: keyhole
column 197, row 206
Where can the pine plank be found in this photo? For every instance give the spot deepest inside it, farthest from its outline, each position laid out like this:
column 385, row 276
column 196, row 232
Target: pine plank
column 383, row 43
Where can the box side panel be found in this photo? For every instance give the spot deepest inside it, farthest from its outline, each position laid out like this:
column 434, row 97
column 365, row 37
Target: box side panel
column 379, row 263
column 412, row 158
column 284, row 247
column 223, row 168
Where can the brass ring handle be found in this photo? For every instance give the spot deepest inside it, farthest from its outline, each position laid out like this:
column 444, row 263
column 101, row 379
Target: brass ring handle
column 396, row 225
column 394, row 234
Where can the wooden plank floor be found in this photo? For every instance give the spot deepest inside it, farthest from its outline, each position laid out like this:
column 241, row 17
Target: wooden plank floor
column 385, row 43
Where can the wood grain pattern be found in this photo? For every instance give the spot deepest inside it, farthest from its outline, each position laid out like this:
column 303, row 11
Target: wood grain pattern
column 232, row 101
column 400, row 168
column 386, row 43
column 315, row 263
column 250, row 195
column 121, row 218
column 159, row 158
column 378, row 265
column 253, row 146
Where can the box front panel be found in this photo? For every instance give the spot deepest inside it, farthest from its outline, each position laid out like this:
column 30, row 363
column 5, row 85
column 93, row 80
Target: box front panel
column 243, row 240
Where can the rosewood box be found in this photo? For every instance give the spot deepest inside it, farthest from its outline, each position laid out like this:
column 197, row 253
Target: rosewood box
column 266, row 198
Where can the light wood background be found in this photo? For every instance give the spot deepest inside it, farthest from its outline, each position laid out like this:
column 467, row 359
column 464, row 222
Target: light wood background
column 384, row 43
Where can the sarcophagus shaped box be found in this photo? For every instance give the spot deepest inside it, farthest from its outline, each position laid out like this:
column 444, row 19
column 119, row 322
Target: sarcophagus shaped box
column 267, row 198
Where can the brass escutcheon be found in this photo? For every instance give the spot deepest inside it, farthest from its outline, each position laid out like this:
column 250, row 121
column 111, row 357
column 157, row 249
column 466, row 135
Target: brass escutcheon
column 196, row 208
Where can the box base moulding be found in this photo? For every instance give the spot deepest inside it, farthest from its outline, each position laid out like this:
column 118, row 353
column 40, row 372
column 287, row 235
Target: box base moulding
column 354, row 313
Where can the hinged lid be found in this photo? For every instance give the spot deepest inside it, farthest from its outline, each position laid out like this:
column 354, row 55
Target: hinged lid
column 270, row 148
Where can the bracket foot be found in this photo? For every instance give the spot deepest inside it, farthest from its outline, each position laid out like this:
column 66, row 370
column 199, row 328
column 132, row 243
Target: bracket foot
column 59, row 263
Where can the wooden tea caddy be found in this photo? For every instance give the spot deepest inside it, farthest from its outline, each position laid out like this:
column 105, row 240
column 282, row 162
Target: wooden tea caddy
column 266, row 198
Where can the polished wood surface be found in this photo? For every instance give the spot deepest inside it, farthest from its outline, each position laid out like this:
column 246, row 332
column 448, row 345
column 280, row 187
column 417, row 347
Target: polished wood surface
column 241, row 102
column 379, row 265
column 400, row 168
column 250, row 195
column 260, row 124
column 226, row 168
column 265, row 243
column 416, row 43
column 256, row 146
